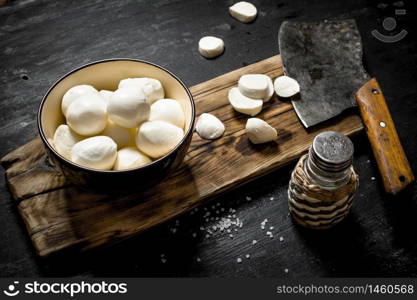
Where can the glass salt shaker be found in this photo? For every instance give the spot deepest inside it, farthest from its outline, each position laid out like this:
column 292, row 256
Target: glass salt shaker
column 323, row 183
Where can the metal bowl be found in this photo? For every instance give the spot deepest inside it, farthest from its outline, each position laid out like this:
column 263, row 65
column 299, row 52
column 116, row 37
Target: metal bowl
column 106, row 74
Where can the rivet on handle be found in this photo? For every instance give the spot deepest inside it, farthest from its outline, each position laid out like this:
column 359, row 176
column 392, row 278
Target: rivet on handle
column 375, row 91
column 382, row 124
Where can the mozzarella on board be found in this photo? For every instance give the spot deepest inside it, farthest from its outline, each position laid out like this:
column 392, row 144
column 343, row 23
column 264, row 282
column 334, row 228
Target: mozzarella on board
column 259, row 131
column 243, row 104
column 209, row 127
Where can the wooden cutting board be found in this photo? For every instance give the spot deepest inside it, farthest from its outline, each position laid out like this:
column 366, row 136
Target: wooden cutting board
column 60, row 216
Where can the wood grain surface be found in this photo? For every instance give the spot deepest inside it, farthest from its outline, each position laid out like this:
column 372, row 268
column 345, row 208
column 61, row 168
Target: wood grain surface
column 59, row 216
column 392, row 161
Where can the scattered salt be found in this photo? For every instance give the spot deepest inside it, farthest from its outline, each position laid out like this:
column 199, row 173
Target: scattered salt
column 247, row 255
column 239, row 260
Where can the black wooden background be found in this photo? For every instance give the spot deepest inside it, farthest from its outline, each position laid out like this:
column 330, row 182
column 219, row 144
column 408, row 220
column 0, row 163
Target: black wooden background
column 42, row 40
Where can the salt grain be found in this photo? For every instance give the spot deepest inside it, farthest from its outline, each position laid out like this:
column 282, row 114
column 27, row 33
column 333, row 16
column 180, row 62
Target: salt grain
column 247, row 255
column 281, row 239
column 163, row 260
column 272, row 198
column 248, row 198
column 198, row 259
column 372, row 178
column 239, row 260
column 286, row 270
column 254, row 242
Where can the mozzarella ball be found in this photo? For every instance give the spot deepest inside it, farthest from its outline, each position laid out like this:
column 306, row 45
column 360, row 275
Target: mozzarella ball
column 97, row 152
column 210, row 46
column 259, row 131
column 73, row 93
column 269, row 91
column 151, row 88
column 64, row 140
column 121, row 135
column 87, row 114
column 130, row 157
column 209, row 127
column 253, row 85
column 168, row 110
column 286, row 86
column 243, row 11
column 243, row 104
column 157, row 138
column 128, row 107
column 106, row 95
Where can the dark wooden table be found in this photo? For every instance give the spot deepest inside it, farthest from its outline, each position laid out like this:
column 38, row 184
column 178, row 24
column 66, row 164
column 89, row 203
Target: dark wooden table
column 42, row 40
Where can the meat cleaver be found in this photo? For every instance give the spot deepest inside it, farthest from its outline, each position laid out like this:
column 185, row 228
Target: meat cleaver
column 326, row 60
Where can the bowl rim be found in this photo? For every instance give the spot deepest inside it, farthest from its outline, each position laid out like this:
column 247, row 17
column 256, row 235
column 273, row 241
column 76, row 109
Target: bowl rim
column 51, row 148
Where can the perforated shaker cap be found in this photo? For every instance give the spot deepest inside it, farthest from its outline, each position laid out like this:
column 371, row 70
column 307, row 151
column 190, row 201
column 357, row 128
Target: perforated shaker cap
column 332, row 151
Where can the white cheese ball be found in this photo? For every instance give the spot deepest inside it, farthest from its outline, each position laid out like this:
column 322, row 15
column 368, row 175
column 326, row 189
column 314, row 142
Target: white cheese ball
column 209, row 127
column 210, row 46
column 130, row 157
column 253, row 85
column 151, row 88
column 168, row 110
column 121, row 135
column 73, row 93
column 243, row 104
column 243, row 11
column 64, row 140
column 87, row 114
column 286, row 86
column 106, row 95
column 97, row 152
column 157, row 138
column 270, row 90
column 259, row 131
column 128, row 107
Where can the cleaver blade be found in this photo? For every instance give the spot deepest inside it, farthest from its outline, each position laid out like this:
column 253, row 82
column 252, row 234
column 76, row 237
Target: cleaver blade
column 326, row 59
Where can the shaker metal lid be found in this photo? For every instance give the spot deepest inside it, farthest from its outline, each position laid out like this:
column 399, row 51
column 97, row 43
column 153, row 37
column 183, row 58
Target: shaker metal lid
column 332, row 151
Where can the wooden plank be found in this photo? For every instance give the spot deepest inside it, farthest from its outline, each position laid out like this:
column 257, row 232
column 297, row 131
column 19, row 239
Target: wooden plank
column 60, row 216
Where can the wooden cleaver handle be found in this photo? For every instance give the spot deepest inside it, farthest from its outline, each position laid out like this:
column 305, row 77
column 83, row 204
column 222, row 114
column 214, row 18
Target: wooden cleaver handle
column 389, row 154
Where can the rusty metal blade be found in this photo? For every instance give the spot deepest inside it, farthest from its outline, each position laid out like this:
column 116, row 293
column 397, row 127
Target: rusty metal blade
column 326, row 59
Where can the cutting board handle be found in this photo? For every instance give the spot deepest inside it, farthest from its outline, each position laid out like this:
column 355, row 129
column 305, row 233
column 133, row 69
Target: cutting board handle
column 389, row 154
